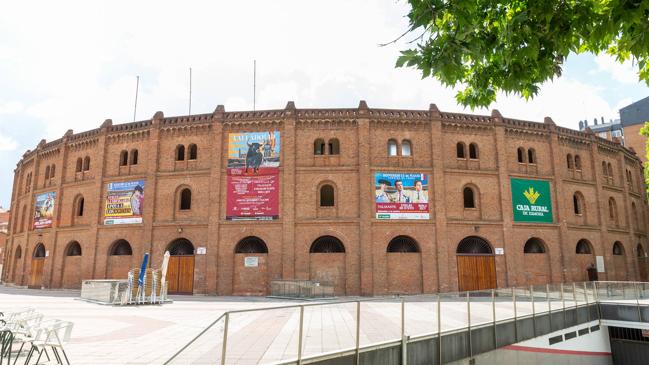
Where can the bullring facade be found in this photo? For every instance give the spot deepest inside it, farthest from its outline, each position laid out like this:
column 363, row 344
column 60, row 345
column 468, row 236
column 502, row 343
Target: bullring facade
column 333, row 206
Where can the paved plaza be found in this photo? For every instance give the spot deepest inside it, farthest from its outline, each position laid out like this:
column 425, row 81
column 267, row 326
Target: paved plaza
column 127, row 335
column 151, row 334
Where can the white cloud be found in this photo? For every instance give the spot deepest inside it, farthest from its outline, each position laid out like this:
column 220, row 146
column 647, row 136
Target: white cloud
column 11, row 107
column 625, row 72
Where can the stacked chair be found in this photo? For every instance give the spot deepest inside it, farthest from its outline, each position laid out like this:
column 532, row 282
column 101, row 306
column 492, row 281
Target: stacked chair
column 26, row 336
column 150, row 292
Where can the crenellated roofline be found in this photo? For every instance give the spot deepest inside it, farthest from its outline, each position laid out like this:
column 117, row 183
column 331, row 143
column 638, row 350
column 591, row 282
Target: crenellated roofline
column 332, row 114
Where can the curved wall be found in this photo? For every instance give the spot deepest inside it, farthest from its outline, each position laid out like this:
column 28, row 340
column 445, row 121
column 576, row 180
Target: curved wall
column 363, row 135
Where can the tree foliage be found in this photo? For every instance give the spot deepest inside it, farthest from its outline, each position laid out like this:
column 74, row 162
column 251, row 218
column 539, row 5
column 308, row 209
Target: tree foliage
column 515, row 45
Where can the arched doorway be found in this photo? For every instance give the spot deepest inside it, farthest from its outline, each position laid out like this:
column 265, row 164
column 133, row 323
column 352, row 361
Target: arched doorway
column 642, row 263
column 536, row 264
column 120, row 258
column 72, row 266
column 404, row 266
column 476, row 264
column 250, row 267
column 327, row 263
column 38, row 261
column 180, row 271
column 584, row 259
column 619, row 261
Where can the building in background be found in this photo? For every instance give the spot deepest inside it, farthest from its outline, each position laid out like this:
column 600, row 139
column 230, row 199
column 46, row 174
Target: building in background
column 4, row 226
column 610, row 130
column 632, row 118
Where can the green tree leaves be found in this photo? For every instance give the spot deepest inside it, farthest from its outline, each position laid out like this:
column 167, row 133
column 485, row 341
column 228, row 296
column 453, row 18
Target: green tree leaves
column 513, row 46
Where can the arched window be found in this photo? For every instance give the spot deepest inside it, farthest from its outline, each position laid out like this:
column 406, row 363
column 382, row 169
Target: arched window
column 618, row 249
column 334, row 146
column 569, row 162
column 392, row 147
column 134, row 156
column 78, row 210
column 47, row 172
column 193, row 151
column 406, row 149
column 612, row 210
column 185, row 199
column 74, row 249
column 583, row 247
column 22, row 219
column 474, row 245
column 578, row 203
column 473, row 151
column 640, row 251
column 521, row 154
column 327, row 244
column 19, row 253
column 39, row 251
column 403, row 244
column 577, row 162
column 610, row 173
column 86, row 163
column 319, row 147
column 469, row 197
column 327, row 197
column 52, row 171
column 181, row 247
column 459, row 150
column 251, row 244
column 604, row 169
column 534, row 245
column 531, row 156
column 123, row 158
column 634, row 213
column 180, row 153
column 79, row 165
column 121, row 248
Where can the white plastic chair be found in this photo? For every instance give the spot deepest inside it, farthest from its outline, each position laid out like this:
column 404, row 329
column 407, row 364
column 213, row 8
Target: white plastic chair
column 53, row 336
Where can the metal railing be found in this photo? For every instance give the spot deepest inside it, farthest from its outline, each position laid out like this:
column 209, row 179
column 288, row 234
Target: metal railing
column 484, row 320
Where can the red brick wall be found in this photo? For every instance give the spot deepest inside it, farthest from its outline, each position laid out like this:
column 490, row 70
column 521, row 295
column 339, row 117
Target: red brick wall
column 404, row 273
column 250, row 280
column 363, row 134
column 329, row 269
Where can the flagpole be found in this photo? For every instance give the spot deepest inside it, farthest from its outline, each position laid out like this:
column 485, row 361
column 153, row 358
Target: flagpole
column 254, row 85
column 190, row 91
column 137, row 86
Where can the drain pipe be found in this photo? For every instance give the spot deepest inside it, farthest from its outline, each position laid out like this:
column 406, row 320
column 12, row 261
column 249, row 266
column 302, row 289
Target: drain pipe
column 404, row 339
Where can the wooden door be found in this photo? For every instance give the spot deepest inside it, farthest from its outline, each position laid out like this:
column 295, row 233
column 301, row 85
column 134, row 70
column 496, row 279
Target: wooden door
column 180, row 275
column 476, row 272
column 36, row 279
column 642, row 266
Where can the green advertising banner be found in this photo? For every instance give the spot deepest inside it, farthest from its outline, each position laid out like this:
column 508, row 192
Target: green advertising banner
column 531, row 201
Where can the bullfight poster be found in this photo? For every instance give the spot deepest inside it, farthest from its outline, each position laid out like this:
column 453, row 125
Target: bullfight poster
column 124, row 202
column 401, row 195
column 253, row 175
column 44, row 210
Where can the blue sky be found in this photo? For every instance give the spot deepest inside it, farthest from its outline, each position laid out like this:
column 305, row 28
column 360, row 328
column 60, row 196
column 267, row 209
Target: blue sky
column 72, row 65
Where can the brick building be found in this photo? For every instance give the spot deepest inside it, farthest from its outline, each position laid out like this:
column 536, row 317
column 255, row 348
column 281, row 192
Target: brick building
column 341, row 201
column 633, row 118
column 4, row 225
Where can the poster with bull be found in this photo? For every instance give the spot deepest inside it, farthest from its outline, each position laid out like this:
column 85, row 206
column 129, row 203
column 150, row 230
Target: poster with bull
column 401, row 195
column 44, row 210
column 253, row 175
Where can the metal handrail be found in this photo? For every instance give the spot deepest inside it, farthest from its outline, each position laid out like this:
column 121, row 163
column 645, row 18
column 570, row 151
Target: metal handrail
column 528, row 294
column 195, row 338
